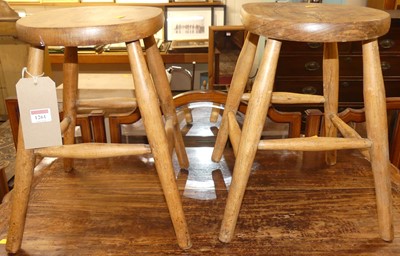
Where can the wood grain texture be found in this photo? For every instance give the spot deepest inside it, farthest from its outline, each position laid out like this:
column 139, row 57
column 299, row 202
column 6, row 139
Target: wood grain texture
column 239, row 80
column 314, row 22
column 251, row 133
column 294, row 205
column 377, row 130
column 330, row 80
column 117, row 24
column 25, row 161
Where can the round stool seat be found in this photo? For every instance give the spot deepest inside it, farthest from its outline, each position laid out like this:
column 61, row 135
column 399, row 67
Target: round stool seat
column 314, row 22
column 82, row 25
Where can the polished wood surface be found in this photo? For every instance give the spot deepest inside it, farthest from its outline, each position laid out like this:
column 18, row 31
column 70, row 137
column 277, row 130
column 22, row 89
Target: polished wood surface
column 117, row 24
column 294, row 22
column 294, row 205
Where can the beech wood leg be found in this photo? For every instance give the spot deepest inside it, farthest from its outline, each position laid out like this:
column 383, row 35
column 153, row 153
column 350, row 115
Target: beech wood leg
column 214, row 114
column 24, row 165
column 3, row 179
column 252, row 128
column 377, row 130
column 331, row 93
column 153, row 123
column 70, row 90
column 239, row 81
column 188, row 114
column 161, row 83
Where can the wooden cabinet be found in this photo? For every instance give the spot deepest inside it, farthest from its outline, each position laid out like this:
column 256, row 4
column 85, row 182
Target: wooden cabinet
column 382, row 4
column 300, row 66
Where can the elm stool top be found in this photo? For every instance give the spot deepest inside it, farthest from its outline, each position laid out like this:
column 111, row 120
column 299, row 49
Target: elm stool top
column 315, row 22
column 82, row 25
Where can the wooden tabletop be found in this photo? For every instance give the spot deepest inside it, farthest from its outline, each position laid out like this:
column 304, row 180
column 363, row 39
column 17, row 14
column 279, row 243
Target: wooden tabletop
column 294, row 205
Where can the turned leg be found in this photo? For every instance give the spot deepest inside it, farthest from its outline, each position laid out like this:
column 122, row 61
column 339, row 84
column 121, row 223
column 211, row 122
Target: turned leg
column 252, row 128
column 160, row 79
column 70, row 90
column 239, row 81
column 154, row 126
column 376, row 119
column 24, row 165
column 331, row 93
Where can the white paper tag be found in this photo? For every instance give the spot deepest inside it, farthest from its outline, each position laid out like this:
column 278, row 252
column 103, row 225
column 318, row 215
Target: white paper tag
column 37, row 102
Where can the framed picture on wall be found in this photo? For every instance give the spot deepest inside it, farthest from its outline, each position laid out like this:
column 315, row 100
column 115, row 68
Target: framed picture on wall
column 184, row 23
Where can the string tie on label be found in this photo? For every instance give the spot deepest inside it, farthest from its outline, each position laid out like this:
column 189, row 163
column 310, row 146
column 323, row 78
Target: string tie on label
column 35, row 78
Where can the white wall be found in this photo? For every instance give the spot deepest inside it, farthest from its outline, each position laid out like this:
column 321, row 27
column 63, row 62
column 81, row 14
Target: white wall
column 233, row 10
column 233, row 7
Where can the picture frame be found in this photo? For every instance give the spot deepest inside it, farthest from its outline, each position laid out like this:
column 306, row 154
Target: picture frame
column 186, row 23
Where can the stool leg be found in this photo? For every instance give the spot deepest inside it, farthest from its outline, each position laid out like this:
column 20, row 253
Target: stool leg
column 331, row 93
column 376, row 119
column 3, row 179
column 24, row 165
column 252, row 128
column 161, row 83
column 153, row 123
column 70, row 80
column 239, row 81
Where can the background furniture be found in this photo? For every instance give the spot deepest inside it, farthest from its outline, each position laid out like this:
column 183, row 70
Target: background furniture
column 300, row 68
column 224, row 44
column 111, row 61
column 91, row 125
column 385, row 4
column 314, row 125
column 12, row 55
column 183, row 101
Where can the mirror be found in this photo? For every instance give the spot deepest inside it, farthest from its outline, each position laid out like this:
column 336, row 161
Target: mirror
column 224, row 45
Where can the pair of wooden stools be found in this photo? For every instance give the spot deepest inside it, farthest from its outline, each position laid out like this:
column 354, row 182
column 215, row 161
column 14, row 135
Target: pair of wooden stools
column 328, row 24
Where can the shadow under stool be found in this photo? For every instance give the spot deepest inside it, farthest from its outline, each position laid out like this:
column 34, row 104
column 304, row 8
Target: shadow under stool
column 319, row 23
column 98, row 25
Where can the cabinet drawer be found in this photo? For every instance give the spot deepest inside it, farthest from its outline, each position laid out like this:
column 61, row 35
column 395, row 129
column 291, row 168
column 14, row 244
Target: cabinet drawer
column 353, row 65
column 310, row 65
column 352, row 90
column 349, row 90
column 388, row 43
column 289, row 47
column 349, row 65
column 300, row 65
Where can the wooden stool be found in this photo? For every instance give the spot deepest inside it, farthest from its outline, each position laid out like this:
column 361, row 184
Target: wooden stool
column 73, row 27
column 303, row 22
